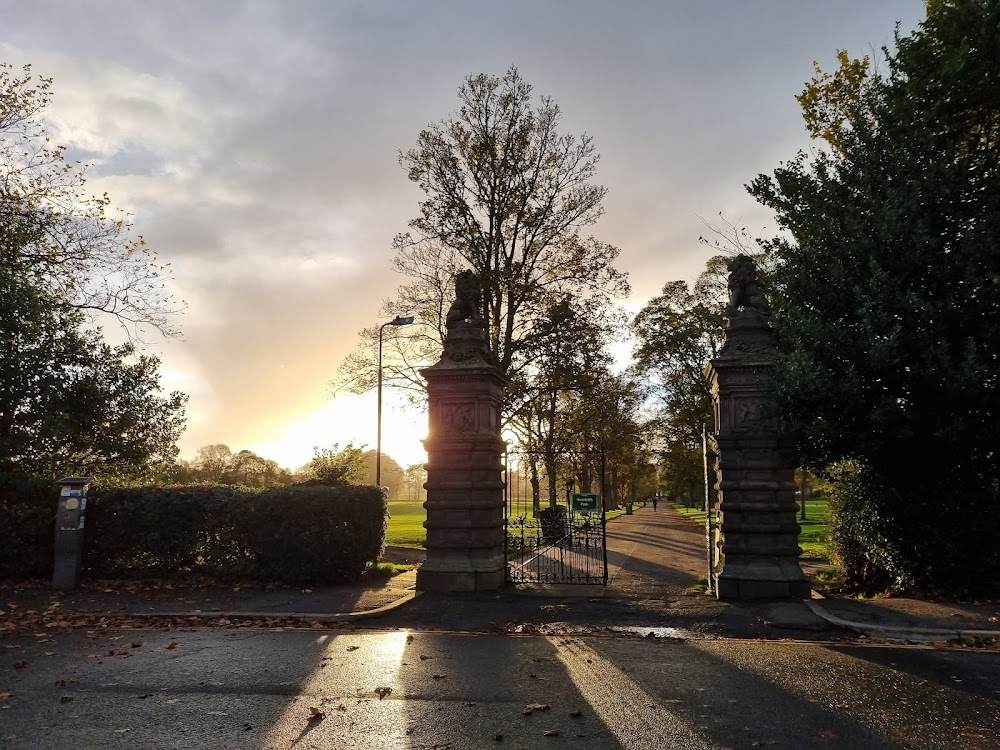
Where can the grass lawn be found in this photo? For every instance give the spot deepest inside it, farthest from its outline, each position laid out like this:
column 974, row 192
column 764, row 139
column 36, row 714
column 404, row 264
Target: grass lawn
column 814, row 539
column 406, row 527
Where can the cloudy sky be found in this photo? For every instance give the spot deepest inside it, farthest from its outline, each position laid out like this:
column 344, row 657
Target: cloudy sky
column 256, row 145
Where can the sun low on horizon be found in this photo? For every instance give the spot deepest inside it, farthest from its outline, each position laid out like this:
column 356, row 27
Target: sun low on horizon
column 343, row 420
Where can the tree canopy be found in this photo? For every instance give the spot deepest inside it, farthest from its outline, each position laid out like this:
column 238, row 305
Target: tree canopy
column 69, row 402
column 887, row 293
column 507, row 195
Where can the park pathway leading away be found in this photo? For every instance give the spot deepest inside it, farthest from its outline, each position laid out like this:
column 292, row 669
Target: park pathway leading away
column 654, row 553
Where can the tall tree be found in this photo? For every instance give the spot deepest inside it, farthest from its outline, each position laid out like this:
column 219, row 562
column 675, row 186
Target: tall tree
column 676, row 334
column 69, row 402
column 508, row 196
column 888, row 292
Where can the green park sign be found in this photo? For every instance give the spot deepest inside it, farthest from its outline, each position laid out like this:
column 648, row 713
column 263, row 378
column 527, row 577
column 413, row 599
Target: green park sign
column 585, row 501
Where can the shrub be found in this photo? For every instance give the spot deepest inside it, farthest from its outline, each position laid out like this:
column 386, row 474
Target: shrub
column 942, row 537
column 27, row 525
column 314, row 533
column 859, row 534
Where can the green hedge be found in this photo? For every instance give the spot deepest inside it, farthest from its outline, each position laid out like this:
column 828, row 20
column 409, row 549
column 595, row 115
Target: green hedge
column 27, row 526
column 316, row 533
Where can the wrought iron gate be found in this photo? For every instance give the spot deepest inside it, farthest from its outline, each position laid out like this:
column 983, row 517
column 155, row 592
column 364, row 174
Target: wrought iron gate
column 554, row 544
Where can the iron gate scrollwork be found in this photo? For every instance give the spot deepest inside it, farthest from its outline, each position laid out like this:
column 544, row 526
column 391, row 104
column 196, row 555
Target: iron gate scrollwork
column 554, row 543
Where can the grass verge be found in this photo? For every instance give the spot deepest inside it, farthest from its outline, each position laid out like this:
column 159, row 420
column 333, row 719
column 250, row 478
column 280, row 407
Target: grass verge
column 814, row 539
column 405, row 527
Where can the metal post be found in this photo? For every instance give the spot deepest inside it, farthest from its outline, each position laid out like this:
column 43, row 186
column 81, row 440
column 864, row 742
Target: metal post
column 708, row 507
column 802, row 494
column 604, row 511
column 378, row 433
column 397, row 321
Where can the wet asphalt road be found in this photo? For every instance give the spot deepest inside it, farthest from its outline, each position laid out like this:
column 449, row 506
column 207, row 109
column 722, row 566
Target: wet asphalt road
column 411, row 689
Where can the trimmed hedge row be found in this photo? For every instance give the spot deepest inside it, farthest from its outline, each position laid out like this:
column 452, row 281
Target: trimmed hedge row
column 27, row 525
column 298, row 533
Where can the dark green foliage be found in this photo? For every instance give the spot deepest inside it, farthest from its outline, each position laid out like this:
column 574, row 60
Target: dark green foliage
column 332, row 535
column 317, row 533
column 888, row 299
column 27, row 525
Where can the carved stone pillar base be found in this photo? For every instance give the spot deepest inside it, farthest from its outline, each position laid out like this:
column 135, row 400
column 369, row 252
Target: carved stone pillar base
column 762, row 580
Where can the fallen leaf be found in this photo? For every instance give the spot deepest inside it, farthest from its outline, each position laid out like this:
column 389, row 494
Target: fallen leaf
column 137, row 644
column 440, row 676
column 381, row 692
column 316, row 714
column 20, row 664
column 5, row 695
column 532, row 707
column 170, row 646
column 424, row 658
column 144, row 695
column 50, row 653
column 64, row 682
column 66, row 699
column 576, row 713
column 550, row 733
column 498, row 737
column 409, row 639
column 353, row 648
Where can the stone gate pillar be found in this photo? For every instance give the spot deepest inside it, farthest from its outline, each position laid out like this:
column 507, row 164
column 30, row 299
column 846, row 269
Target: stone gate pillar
column 758, row 550
column 465, row 525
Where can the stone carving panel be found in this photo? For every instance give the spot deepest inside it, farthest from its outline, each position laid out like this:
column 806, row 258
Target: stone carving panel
column 458, row 418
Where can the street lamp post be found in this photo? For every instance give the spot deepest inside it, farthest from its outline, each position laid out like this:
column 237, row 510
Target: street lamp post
column 397, row 321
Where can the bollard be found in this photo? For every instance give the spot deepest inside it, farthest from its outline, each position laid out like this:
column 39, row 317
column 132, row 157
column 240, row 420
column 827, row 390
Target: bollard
column 71, row 512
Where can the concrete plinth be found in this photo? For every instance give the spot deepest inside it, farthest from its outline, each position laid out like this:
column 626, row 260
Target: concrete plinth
column 465, row 532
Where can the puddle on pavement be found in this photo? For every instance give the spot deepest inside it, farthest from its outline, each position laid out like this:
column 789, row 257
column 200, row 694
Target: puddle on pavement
column 646, row 632
column 642, row 631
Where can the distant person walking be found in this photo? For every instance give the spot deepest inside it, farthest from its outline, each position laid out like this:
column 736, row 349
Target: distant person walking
column 655, row 500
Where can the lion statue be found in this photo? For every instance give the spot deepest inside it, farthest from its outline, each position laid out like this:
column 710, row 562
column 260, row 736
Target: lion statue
column 468, row 299
column 743, row 290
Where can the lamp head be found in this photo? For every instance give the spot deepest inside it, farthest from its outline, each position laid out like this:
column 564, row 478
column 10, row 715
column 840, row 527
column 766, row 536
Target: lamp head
column 400, row 321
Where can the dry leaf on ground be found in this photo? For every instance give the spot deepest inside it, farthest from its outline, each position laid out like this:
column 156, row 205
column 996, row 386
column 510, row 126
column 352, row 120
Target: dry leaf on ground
column 532, row 707
column 316, row 714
